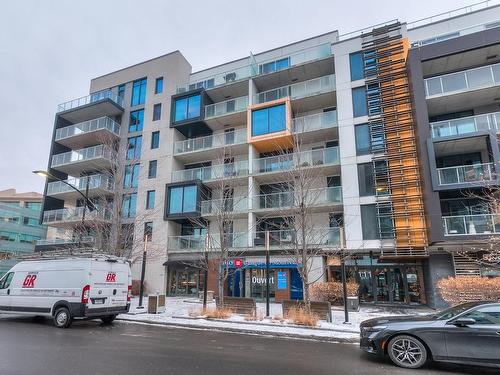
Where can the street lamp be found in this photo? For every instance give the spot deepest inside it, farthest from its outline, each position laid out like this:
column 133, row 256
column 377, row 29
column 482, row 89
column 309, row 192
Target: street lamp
column 87, row 202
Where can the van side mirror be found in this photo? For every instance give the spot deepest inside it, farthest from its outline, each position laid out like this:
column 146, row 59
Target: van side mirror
column 464, row 322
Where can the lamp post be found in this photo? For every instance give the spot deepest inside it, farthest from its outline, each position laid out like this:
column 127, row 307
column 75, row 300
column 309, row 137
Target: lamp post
column 87, row 202
column 267, row 274
column 143, row 271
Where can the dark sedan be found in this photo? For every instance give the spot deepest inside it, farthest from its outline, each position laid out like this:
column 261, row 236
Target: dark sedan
column 468, row 333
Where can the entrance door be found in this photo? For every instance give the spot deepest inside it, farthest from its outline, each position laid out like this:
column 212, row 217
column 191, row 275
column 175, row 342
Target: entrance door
column 258, row 283
column 390, row 285
column 296, row 287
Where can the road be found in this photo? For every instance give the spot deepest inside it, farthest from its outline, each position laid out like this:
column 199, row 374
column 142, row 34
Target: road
column 29, row 346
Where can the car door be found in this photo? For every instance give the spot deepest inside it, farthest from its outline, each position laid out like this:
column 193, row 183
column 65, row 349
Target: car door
column 477, row 342
column 5, row 298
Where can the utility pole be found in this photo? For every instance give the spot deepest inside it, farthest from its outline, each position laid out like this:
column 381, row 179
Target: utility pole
column 344, row 276
column 267, row 274
column 143, row 272
column 205, row 289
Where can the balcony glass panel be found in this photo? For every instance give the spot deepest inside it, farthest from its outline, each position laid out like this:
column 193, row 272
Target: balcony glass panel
column 82, row 155
column 312, row 197
column 216, row 206
column 95, row 181
column 479, row 77
column 454, row 82
column 213, row 172
column 465, row 174
column 485, row 224
column 288, row 237
column 224, row 108
column 315, row 122
column 75, row 214
column 303, row 159
column 88, row 126
column 212, row 141
column 92, row 98
column 464, row 125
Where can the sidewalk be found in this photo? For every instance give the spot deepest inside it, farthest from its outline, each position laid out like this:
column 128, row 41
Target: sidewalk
column 184, row 312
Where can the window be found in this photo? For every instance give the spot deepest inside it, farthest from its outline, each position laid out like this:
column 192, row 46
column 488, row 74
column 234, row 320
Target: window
column 182, row 199
column 31, row 222
column 28, row 238
column 365, row 179
column 359, row 101
column 129, row 205
column 155, row 140
column 157, row 112
column 187, row 107
column 357, row 66
column 269, row 120
column 131, row 178
column 121, row 91
column 37, row 206
column 138, row 92
column 152, row 169
column 362, row 139
column 148, row 231
column 369, row 222
column 274, row 66
column 485, row 315
column 159, row 85
column 136, row 121
column 150, row 199
column 6, row 280
column 134, row 147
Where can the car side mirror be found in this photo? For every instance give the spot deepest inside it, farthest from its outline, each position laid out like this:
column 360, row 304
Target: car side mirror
column 463, row 322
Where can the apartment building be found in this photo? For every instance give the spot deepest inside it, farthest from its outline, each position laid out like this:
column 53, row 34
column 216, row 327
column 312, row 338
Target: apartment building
column 19, row 225
column 354, row 115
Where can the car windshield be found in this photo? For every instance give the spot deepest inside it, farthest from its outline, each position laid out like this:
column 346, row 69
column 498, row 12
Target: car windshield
column 454, row 311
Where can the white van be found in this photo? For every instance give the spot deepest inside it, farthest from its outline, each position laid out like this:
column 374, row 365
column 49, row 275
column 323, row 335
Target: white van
column 67, row 288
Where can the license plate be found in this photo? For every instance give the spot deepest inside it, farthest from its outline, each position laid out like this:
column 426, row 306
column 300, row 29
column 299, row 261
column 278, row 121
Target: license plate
column 98, row 301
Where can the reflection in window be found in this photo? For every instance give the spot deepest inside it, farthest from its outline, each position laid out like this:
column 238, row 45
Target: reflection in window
column 359, row 101
column 356, row 63
column 134, row 146
column 182, row 199
column 187, row 108
column 136, row 121
column 138, row 92
column 269, row 120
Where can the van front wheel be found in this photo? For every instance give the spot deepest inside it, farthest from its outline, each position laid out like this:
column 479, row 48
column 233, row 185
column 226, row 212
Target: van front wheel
column 108, row 319
column 62, row 318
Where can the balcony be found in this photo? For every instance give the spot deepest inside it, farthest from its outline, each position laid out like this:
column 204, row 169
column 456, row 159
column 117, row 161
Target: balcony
column 298, row 90
column 319, row 121
column 197, row 243
column 219, row 79
column 289, row 199
column 69, row 217
column 91, row 158
column 232, row 111
column 212, row 173
column 102, row 103
column 99, row 185
column 466, row 125
column 64, row 243
column 211, row 142
column 288, row 238
column 86, row 133
column 485, row 224
column 465, row 174
column 325, row 157
column 215, row 207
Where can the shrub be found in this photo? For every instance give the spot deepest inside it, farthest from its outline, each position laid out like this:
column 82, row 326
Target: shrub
column 302, row 317
column 218, row 313
column 455, row 290
column 332, row 291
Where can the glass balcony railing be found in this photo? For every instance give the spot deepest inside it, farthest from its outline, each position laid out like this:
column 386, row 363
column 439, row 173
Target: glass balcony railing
column 99, row 151
column 256, row 68
column 88, row 126
column 289, row 238
column 95, row 182
column 211, row 141
column 65, row 241
column 472, row 79
column 75, row 214
column 298, row 90
column 312, row 197
column 466, row 125
column 465, row 174
column 198, row 243
column 92, row 98
column 218, row 206
column 482, row 224
column 310, row 158
column 314, row 122
column 214, row 172
column 227, row 107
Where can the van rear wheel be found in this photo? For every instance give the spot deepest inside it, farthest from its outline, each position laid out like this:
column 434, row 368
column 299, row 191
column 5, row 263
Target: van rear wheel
column 62, row 318
column 108, row 319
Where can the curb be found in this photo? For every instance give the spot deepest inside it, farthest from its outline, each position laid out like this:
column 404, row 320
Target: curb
column 236, row 330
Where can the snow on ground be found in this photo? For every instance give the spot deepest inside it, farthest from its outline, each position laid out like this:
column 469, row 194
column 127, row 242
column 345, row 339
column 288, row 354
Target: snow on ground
column 186, row 311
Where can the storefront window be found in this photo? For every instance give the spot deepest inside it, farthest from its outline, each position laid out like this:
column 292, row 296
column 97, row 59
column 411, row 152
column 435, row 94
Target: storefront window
column 185, row 282
column 258, row 284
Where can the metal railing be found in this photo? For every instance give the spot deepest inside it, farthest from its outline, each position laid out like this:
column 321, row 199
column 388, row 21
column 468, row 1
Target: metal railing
column 482, row 224
column 89, row 153
column 214, row 172
column 471, row 79
column 209, row 142
column 88, row 126
column 465, row 173
column 298, row 90
column 226, row 107
column 216, row 206
column 75, row 214
column 199, row 242
column 310, row 158
column 218, row 79
column 317, row 121
column 289, row 238
column 92, row 98
column 98, row 181
column 65, row 241
column 312, row 197
column 465, row 125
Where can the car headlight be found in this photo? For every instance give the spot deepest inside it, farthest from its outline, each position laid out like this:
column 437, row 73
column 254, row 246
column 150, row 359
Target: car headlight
column 374, row 328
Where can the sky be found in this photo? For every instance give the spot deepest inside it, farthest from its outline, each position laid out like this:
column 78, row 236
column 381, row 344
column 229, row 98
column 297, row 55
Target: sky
column 50, row 50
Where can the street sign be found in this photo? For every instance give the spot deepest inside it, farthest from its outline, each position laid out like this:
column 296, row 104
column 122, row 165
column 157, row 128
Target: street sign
column 238, row 263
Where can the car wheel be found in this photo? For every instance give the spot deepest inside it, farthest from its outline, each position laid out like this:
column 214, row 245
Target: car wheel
column 108, row 319
column 407, row 351
column 62, row 318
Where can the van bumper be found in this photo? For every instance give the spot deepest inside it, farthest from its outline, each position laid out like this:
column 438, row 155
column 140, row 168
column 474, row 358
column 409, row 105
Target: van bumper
column 103, row 311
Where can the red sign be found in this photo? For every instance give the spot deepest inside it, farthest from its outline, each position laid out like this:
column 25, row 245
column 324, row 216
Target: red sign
column 238, row 263
column 111, row 278
column 29, row 281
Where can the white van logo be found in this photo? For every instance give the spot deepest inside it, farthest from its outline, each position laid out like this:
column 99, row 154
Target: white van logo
column 111, row 278
column 29, row 281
